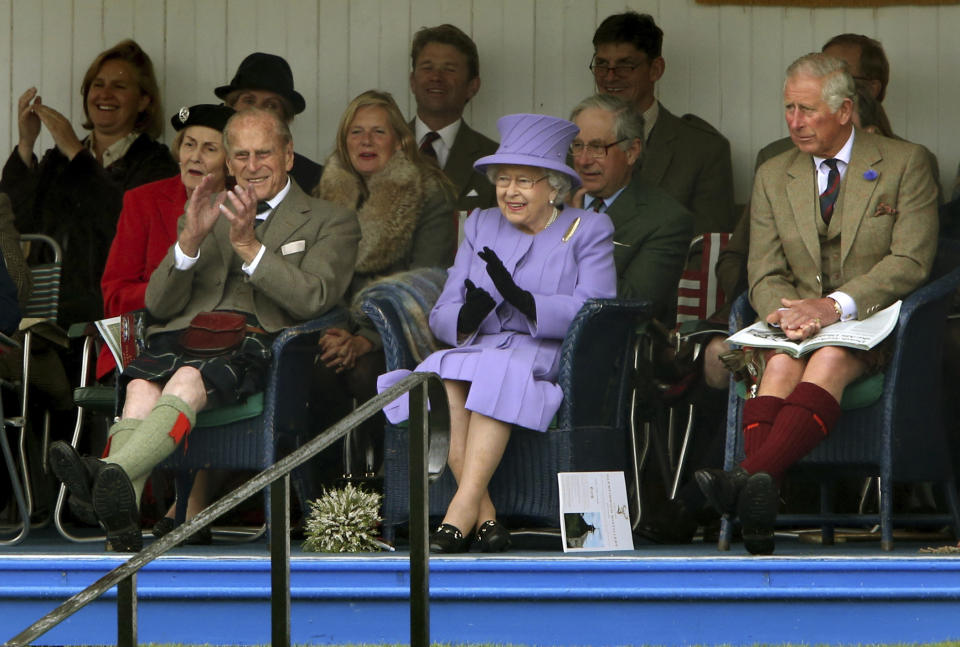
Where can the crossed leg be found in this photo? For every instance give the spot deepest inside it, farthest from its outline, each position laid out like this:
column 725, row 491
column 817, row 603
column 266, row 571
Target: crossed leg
column 477, row 443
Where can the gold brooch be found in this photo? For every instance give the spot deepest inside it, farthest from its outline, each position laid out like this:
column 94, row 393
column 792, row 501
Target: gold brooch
column 572, row 230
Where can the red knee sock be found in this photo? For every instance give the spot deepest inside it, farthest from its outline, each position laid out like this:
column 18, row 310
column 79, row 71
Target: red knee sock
column 807, row 415
column 758, row 416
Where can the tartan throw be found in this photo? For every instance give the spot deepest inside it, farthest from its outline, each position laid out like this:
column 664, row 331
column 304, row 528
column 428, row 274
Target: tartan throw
column 698, row 295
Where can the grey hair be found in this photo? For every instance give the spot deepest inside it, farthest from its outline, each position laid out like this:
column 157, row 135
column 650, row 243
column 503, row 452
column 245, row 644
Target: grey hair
column 280, row 128
column 838, row 85
column 557, row 180
column 627, row 123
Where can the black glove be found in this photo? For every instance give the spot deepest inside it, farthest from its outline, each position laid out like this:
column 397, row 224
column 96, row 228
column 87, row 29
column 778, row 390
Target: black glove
column 520, row 299
column 476, row 306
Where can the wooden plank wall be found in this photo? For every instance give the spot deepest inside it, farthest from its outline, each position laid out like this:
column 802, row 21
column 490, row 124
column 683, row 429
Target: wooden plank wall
column 723, row 63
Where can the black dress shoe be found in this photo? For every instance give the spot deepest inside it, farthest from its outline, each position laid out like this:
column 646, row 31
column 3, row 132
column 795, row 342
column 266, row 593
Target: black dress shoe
column 202, row 537
column 77, row 474
column 448, row 539
column 115, row 502
column 757, row 510
column 722, row 488
column 671, row 524
column 493, row 537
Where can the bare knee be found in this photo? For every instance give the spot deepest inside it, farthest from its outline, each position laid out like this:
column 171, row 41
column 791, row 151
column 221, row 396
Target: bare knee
column 187, row 384
column 141, row 396
column 715, row 373
column 833, row 368
column 781, row 375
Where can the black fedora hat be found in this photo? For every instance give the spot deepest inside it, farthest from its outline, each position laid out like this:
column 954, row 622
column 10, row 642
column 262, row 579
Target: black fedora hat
column 204, row 114
column 269, row 72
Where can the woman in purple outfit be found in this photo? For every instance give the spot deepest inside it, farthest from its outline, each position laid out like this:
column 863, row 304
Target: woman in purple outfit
column 521, row 274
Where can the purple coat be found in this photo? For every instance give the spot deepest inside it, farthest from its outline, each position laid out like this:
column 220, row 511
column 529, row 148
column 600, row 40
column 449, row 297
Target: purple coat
column 510, row 362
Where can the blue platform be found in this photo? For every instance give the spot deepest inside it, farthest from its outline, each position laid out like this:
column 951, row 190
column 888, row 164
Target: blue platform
column 681, row 595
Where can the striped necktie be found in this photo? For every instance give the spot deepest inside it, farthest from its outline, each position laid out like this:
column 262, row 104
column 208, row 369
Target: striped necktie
column 426, row 146
column 829, row 196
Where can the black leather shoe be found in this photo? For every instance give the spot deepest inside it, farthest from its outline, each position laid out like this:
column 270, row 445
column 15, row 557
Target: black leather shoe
column 115, row 502
column 757, row 510
column 670, row 524
column 77, row 474
column 448, row 539
column 493, row 537
column 202, row 537
column 722, row 488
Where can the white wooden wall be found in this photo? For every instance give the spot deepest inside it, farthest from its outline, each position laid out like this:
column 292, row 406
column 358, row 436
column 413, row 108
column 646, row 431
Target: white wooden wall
column 723, row 63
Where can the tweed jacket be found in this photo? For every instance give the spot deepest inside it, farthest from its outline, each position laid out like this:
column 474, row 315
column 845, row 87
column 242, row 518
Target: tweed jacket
column 888, row 210
column 690, row 160
column 651, row 235
column 774, row 148
column 468, row 147
column 311, row 248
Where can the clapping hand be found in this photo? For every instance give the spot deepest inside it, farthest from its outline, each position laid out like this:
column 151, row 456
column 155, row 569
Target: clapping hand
column 203, row 210
column 31, row 112
column 477, row 304
column 519, row 298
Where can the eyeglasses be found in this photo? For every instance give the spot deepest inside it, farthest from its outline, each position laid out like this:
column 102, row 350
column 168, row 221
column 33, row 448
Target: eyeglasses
column 525, row 183
column 596, row 151
column 620, row 71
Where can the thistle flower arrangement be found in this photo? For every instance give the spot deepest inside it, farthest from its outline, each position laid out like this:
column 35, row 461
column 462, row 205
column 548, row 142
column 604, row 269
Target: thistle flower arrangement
column 343, row 521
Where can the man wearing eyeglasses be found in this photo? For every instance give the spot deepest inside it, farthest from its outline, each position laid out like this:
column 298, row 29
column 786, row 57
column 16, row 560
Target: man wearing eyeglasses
column 651, row 230
column 685, row 156
column 870, row 69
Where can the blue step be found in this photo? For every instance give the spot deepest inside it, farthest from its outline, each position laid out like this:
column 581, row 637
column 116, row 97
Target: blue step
column 655, row 597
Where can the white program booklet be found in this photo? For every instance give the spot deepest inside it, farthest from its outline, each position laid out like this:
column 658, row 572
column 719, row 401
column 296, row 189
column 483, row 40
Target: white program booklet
column 863, row 334
column 594, row 514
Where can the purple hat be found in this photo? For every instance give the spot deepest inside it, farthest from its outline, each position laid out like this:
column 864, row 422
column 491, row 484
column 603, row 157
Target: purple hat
column 533, row 140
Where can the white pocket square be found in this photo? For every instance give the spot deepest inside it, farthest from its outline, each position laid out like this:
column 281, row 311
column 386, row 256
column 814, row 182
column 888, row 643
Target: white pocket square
column 294, row 247
column 473, row 193
column 621, row 244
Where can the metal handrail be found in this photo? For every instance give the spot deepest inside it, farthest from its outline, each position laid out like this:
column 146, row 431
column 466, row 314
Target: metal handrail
column 429, row 442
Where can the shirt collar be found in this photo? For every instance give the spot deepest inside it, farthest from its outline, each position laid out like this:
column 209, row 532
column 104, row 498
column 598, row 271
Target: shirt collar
column 275, row 201
column 447, row 134
column 116, row 150
column 607, row 201
column 842, row 155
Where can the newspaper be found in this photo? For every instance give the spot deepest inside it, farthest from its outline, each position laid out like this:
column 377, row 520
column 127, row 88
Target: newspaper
column 593, row 512
column 863, row 334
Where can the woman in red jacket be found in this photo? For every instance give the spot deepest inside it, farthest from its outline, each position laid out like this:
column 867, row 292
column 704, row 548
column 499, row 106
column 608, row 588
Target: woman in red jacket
column 148, row 223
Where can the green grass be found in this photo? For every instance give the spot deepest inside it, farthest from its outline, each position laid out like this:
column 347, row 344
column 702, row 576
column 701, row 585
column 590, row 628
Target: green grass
column 951, row 643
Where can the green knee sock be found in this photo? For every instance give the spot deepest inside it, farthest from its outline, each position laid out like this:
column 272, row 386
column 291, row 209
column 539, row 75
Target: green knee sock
column 120, row 433
column 156, row 437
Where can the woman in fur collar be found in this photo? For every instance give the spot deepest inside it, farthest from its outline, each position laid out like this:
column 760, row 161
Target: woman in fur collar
column 407, row 220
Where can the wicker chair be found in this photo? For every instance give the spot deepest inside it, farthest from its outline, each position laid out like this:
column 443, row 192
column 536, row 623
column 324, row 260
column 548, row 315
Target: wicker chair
column 591, row 427
column 900, row 437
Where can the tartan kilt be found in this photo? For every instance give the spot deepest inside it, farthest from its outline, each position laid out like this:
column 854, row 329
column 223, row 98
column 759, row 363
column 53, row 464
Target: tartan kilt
column 228, row 378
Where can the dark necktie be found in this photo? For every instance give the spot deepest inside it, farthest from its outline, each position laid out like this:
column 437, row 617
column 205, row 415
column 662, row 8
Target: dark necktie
column 829, row 196
column 426, row 146
column 598, row 205
column 263, row 206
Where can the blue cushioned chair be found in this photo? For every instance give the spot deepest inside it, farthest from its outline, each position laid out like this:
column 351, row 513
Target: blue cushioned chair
column 247, row 436
column 589, row 434
column 901, row 436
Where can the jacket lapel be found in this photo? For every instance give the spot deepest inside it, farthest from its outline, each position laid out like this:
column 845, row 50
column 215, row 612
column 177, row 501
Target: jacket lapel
column 801, row 193
column 659, row 149
column 459, row 166
column 857, row 190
